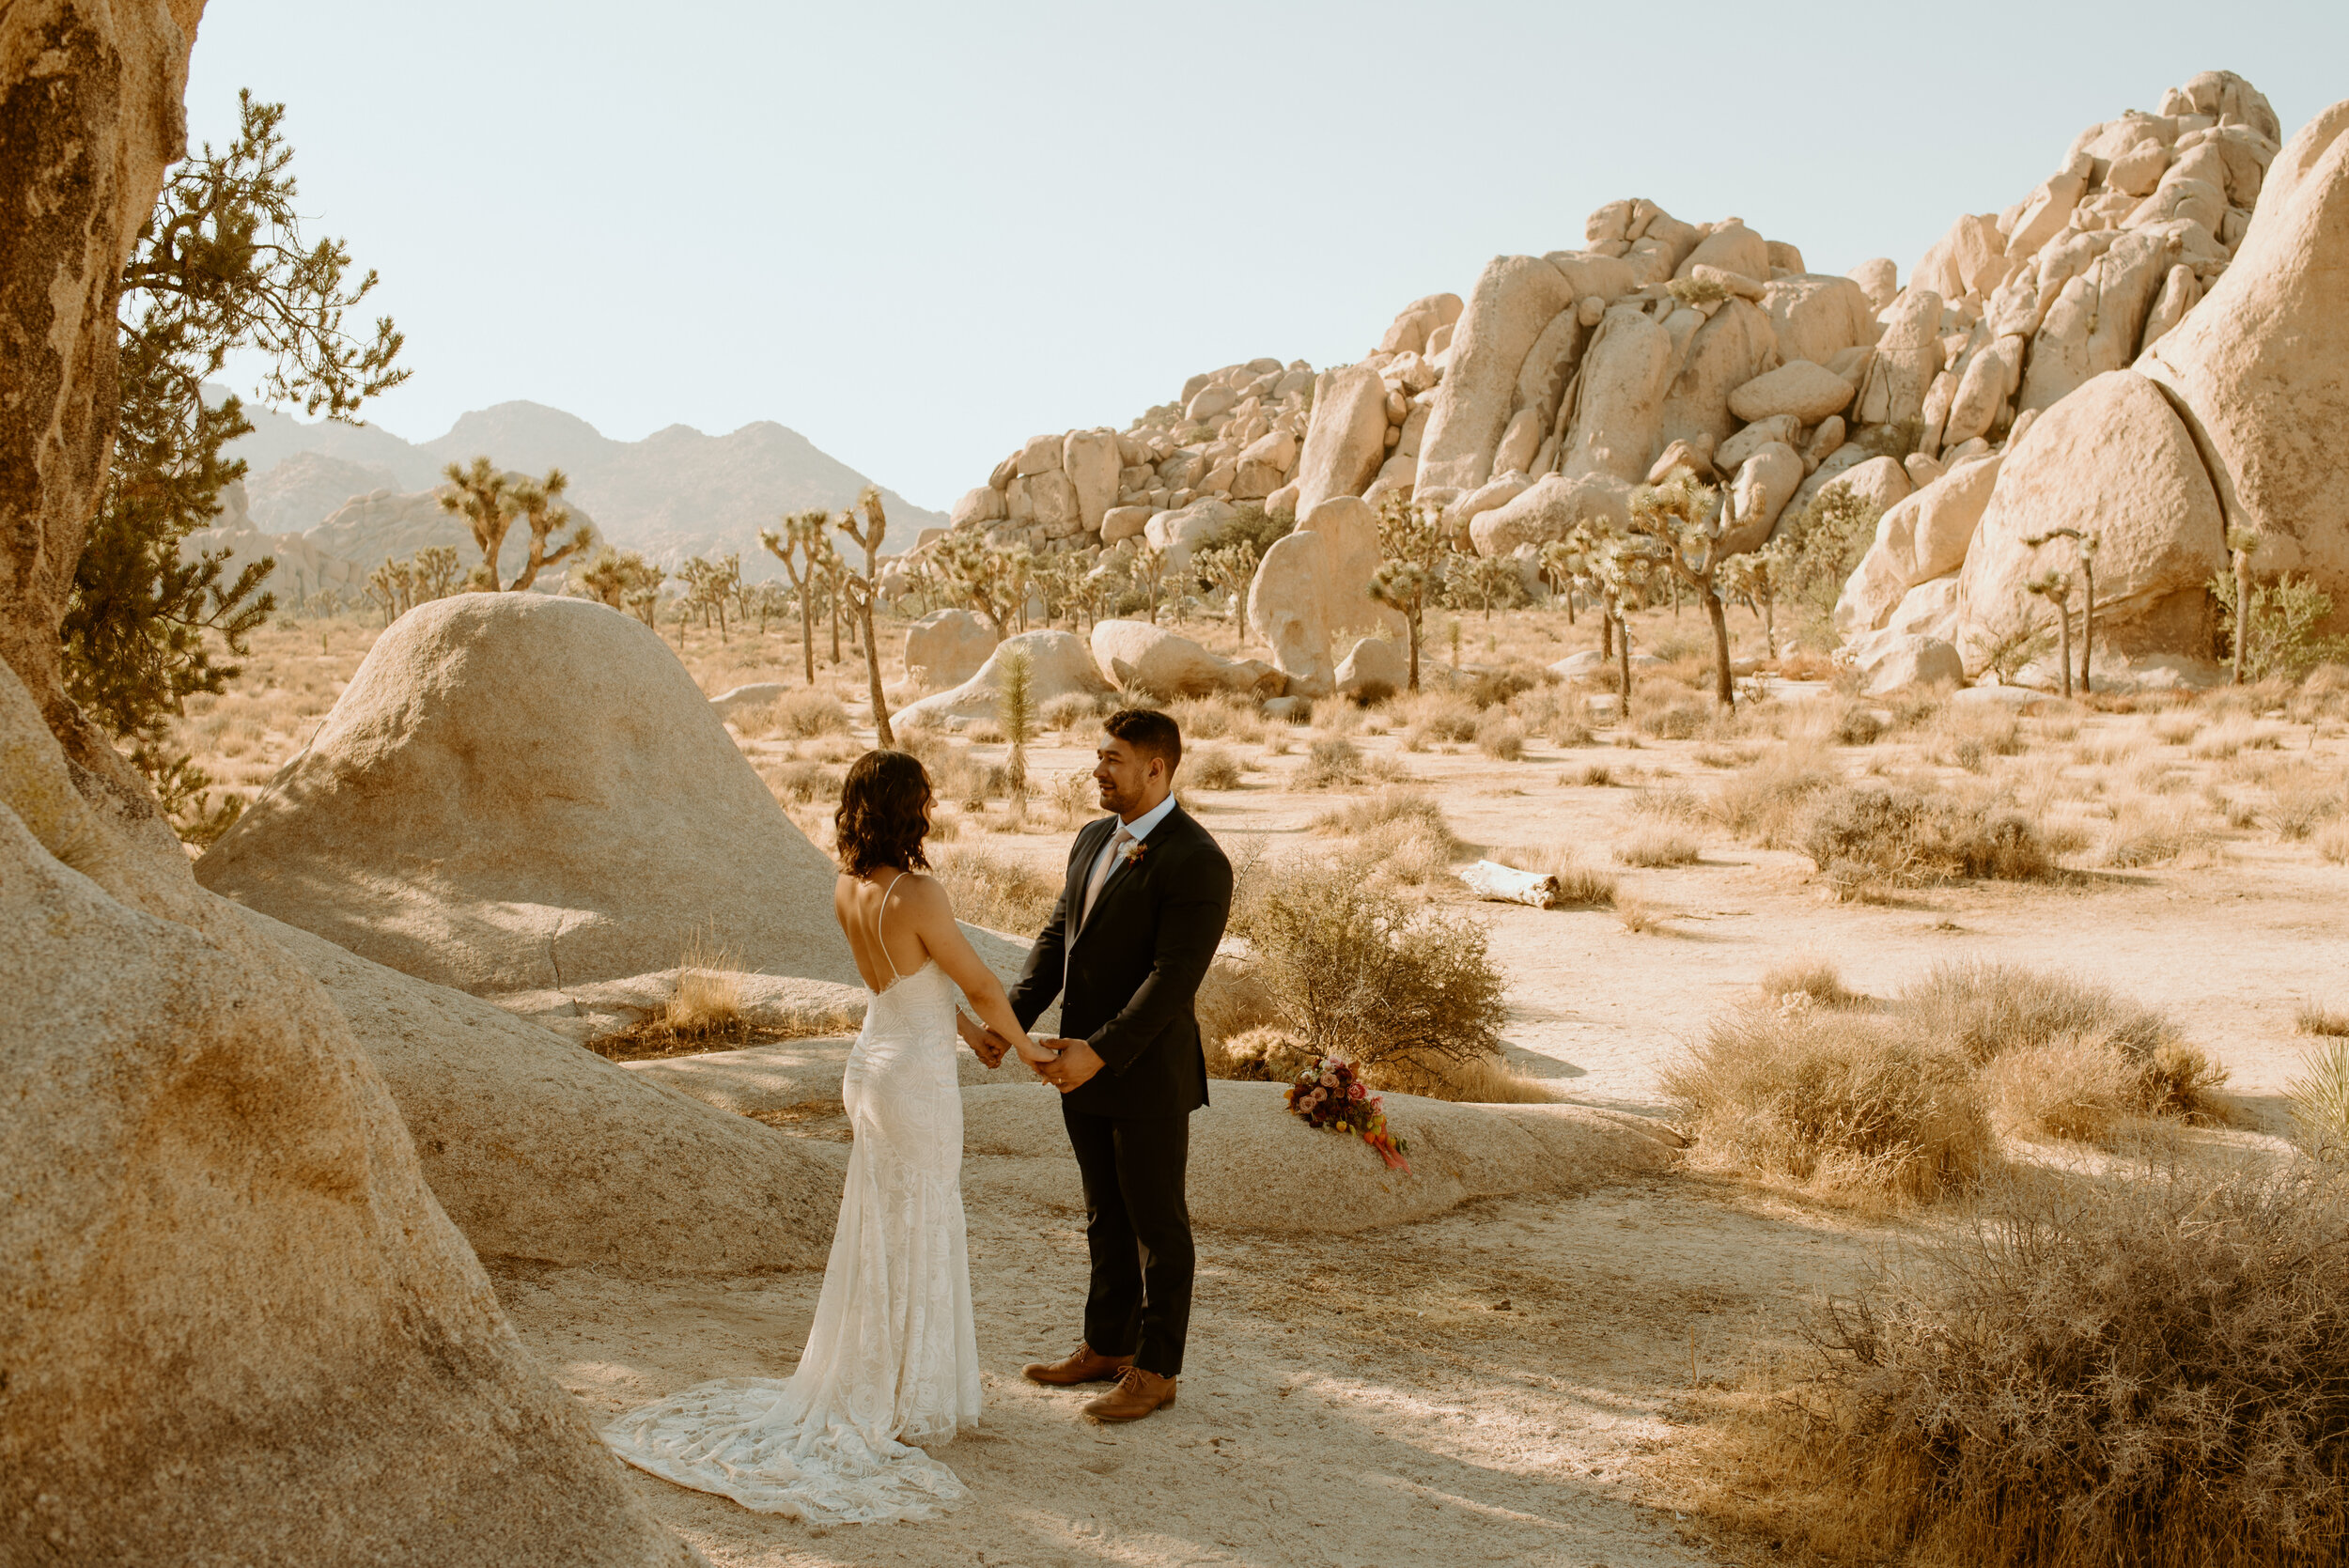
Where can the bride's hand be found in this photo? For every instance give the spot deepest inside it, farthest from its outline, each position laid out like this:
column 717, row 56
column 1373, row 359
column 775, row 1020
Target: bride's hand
column 1034, row 1054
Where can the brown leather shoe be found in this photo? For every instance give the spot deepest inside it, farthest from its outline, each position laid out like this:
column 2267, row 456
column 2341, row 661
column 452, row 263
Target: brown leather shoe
column 1079, row 1366
column 1138, row 1393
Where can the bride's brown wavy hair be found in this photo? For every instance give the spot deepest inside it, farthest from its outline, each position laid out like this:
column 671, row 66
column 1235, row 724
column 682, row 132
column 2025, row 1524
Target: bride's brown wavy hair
column 884, row 814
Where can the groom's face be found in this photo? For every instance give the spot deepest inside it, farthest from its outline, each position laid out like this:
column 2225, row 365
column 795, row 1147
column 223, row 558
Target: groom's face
column 1128, row 781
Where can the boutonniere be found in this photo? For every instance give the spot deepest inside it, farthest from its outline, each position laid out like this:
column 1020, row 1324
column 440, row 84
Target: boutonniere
column 1133, row 852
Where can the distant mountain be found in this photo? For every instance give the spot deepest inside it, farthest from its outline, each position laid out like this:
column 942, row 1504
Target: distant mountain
column 298, row 491
column 676, row 494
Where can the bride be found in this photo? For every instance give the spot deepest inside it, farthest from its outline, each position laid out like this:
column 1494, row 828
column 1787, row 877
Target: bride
column 890, row 1361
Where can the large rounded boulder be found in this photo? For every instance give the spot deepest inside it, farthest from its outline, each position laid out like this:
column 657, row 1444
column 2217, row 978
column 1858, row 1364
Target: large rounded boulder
column 2257, row 366
column 235, row 1326
column 519, row 795
column 2111, row 462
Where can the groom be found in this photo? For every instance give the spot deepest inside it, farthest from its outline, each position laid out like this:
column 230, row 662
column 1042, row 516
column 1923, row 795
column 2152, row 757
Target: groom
column 1137, row 924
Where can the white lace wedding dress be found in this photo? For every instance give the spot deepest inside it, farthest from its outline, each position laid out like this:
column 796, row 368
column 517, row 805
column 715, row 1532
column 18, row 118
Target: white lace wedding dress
column 892, row 1360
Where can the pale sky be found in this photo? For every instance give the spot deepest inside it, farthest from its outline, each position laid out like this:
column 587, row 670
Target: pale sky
column 918, row 234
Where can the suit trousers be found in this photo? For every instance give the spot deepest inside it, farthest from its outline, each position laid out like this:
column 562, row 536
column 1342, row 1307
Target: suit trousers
column 1137, row 1234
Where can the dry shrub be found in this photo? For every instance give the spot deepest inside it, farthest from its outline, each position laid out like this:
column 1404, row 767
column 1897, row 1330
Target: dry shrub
column 2316, row 1017
column 2063, row 1057
column 1392, row 804
column 1330, row 763
column 2332, row 843
column 1677, row 717
column 1212, row 768
column 809, row 713
column 1435, row 716
column 1971, row 735
column 1500, row 736
column 1669, row 802
column 1070, row 710
column 1580, row 886
column 1638, row 916
column 1473, row 1081
column 1656, row 849
column 1858, row 726
column 998, row 892
column 1812, row 976
column 2155, row 831
column 708, row 996
column 1261, row 1053
column 1864, row 838
column 1764, row 803
column 2145, row 1371
column 1593, row 775
column 1836, row 1102
column 2303, row 800
column 803, row 782
column 1555, row 711
column 2176, row 727
column 2237, row 734
column 1232, row 999
column 1358, row 972
column 1979, row 1007
column 1498, row 687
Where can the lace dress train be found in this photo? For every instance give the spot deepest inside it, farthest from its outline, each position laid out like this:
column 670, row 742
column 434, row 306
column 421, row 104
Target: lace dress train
column 892, row 1360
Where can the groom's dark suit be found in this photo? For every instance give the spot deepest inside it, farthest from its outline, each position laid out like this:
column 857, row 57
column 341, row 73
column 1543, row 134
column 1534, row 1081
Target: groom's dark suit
column 1126, row 980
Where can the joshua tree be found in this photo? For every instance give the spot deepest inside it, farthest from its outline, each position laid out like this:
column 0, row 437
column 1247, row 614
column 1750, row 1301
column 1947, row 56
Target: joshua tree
column 1677, row 526
column 2084, row 547
column 796, row 545
column 395, row 584
column 1759, row 577
column 2056, row 589
column 1230, row 566
column 615, row 577
column 543, row 512
column 2241, row 541
column 866, row 524
column 1149, row 573
column 973, row 575
column 1015, row 710
column 437, row 568
column 709, row 586
column 1557, row 564
column 1408, row 576
column 645, row 603
column 827, row 572
column 485, row 499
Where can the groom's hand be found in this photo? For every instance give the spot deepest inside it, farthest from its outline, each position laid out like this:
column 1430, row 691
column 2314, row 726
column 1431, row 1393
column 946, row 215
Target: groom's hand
column 1076, row 1067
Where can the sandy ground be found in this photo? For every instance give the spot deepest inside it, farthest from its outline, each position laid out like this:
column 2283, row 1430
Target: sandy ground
column 1491, row 1385
column 1487, row 1385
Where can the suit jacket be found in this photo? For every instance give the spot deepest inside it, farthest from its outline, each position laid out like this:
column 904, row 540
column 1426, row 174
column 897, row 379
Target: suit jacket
column 1131, row 972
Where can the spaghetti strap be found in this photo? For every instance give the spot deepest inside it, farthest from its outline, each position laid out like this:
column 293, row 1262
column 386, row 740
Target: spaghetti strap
column 881, row 941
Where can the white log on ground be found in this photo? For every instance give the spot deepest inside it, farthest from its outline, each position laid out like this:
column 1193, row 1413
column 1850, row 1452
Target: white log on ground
column 1491, row 879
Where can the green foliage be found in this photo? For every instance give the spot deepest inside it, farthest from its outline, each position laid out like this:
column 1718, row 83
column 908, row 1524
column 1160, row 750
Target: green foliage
column 1361, row 973
column 1864, row 838
column 219, row 267
column 1410, row 571
column 1823, row 544
column 1697, row 291
column 2284, row 616
column 623, row 580
column 1014, row 711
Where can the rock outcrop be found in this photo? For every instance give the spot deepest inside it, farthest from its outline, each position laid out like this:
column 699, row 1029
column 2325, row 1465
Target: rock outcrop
column 543, row 1153
column 1059, row 665
column 1149, row 661
column 2256, row 367
column 516, row 794
column 947, row 647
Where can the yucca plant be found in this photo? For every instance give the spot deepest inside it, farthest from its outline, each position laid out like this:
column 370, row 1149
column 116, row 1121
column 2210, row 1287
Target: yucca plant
column 2320, row 1099
column 1015, row 712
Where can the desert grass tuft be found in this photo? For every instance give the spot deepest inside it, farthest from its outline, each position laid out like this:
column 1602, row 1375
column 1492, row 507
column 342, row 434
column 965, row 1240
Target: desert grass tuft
column 1811, row 976
column 2145, row 1371
column 998, row 892
column 1657, row 848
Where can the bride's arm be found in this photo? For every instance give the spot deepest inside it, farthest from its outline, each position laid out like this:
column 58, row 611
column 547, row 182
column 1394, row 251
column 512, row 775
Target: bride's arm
column 932, row 916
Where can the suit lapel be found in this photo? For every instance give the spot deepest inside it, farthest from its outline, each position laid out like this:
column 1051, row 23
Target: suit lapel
column 1121, row 875
column 1089, row 843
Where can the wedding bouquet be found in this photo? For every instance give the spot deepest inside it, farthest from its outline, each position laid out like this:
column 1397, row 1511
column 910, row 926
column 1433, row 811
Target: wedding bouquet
column 1329, row 1093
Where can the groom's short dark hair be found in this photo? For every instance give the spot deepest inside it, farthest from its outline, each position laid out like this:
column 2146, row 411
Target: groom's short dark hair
column 1149, row 731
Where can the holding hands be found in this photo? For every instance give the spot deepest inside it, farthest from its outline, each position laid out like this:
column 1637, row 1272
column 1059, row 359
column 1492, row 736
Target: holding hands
column 990, row 1046
column 1064, row 1063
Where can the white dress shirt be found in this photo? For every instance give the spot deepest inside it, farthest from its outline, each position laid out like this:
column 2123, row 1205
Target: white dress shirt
column 1136, row 830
